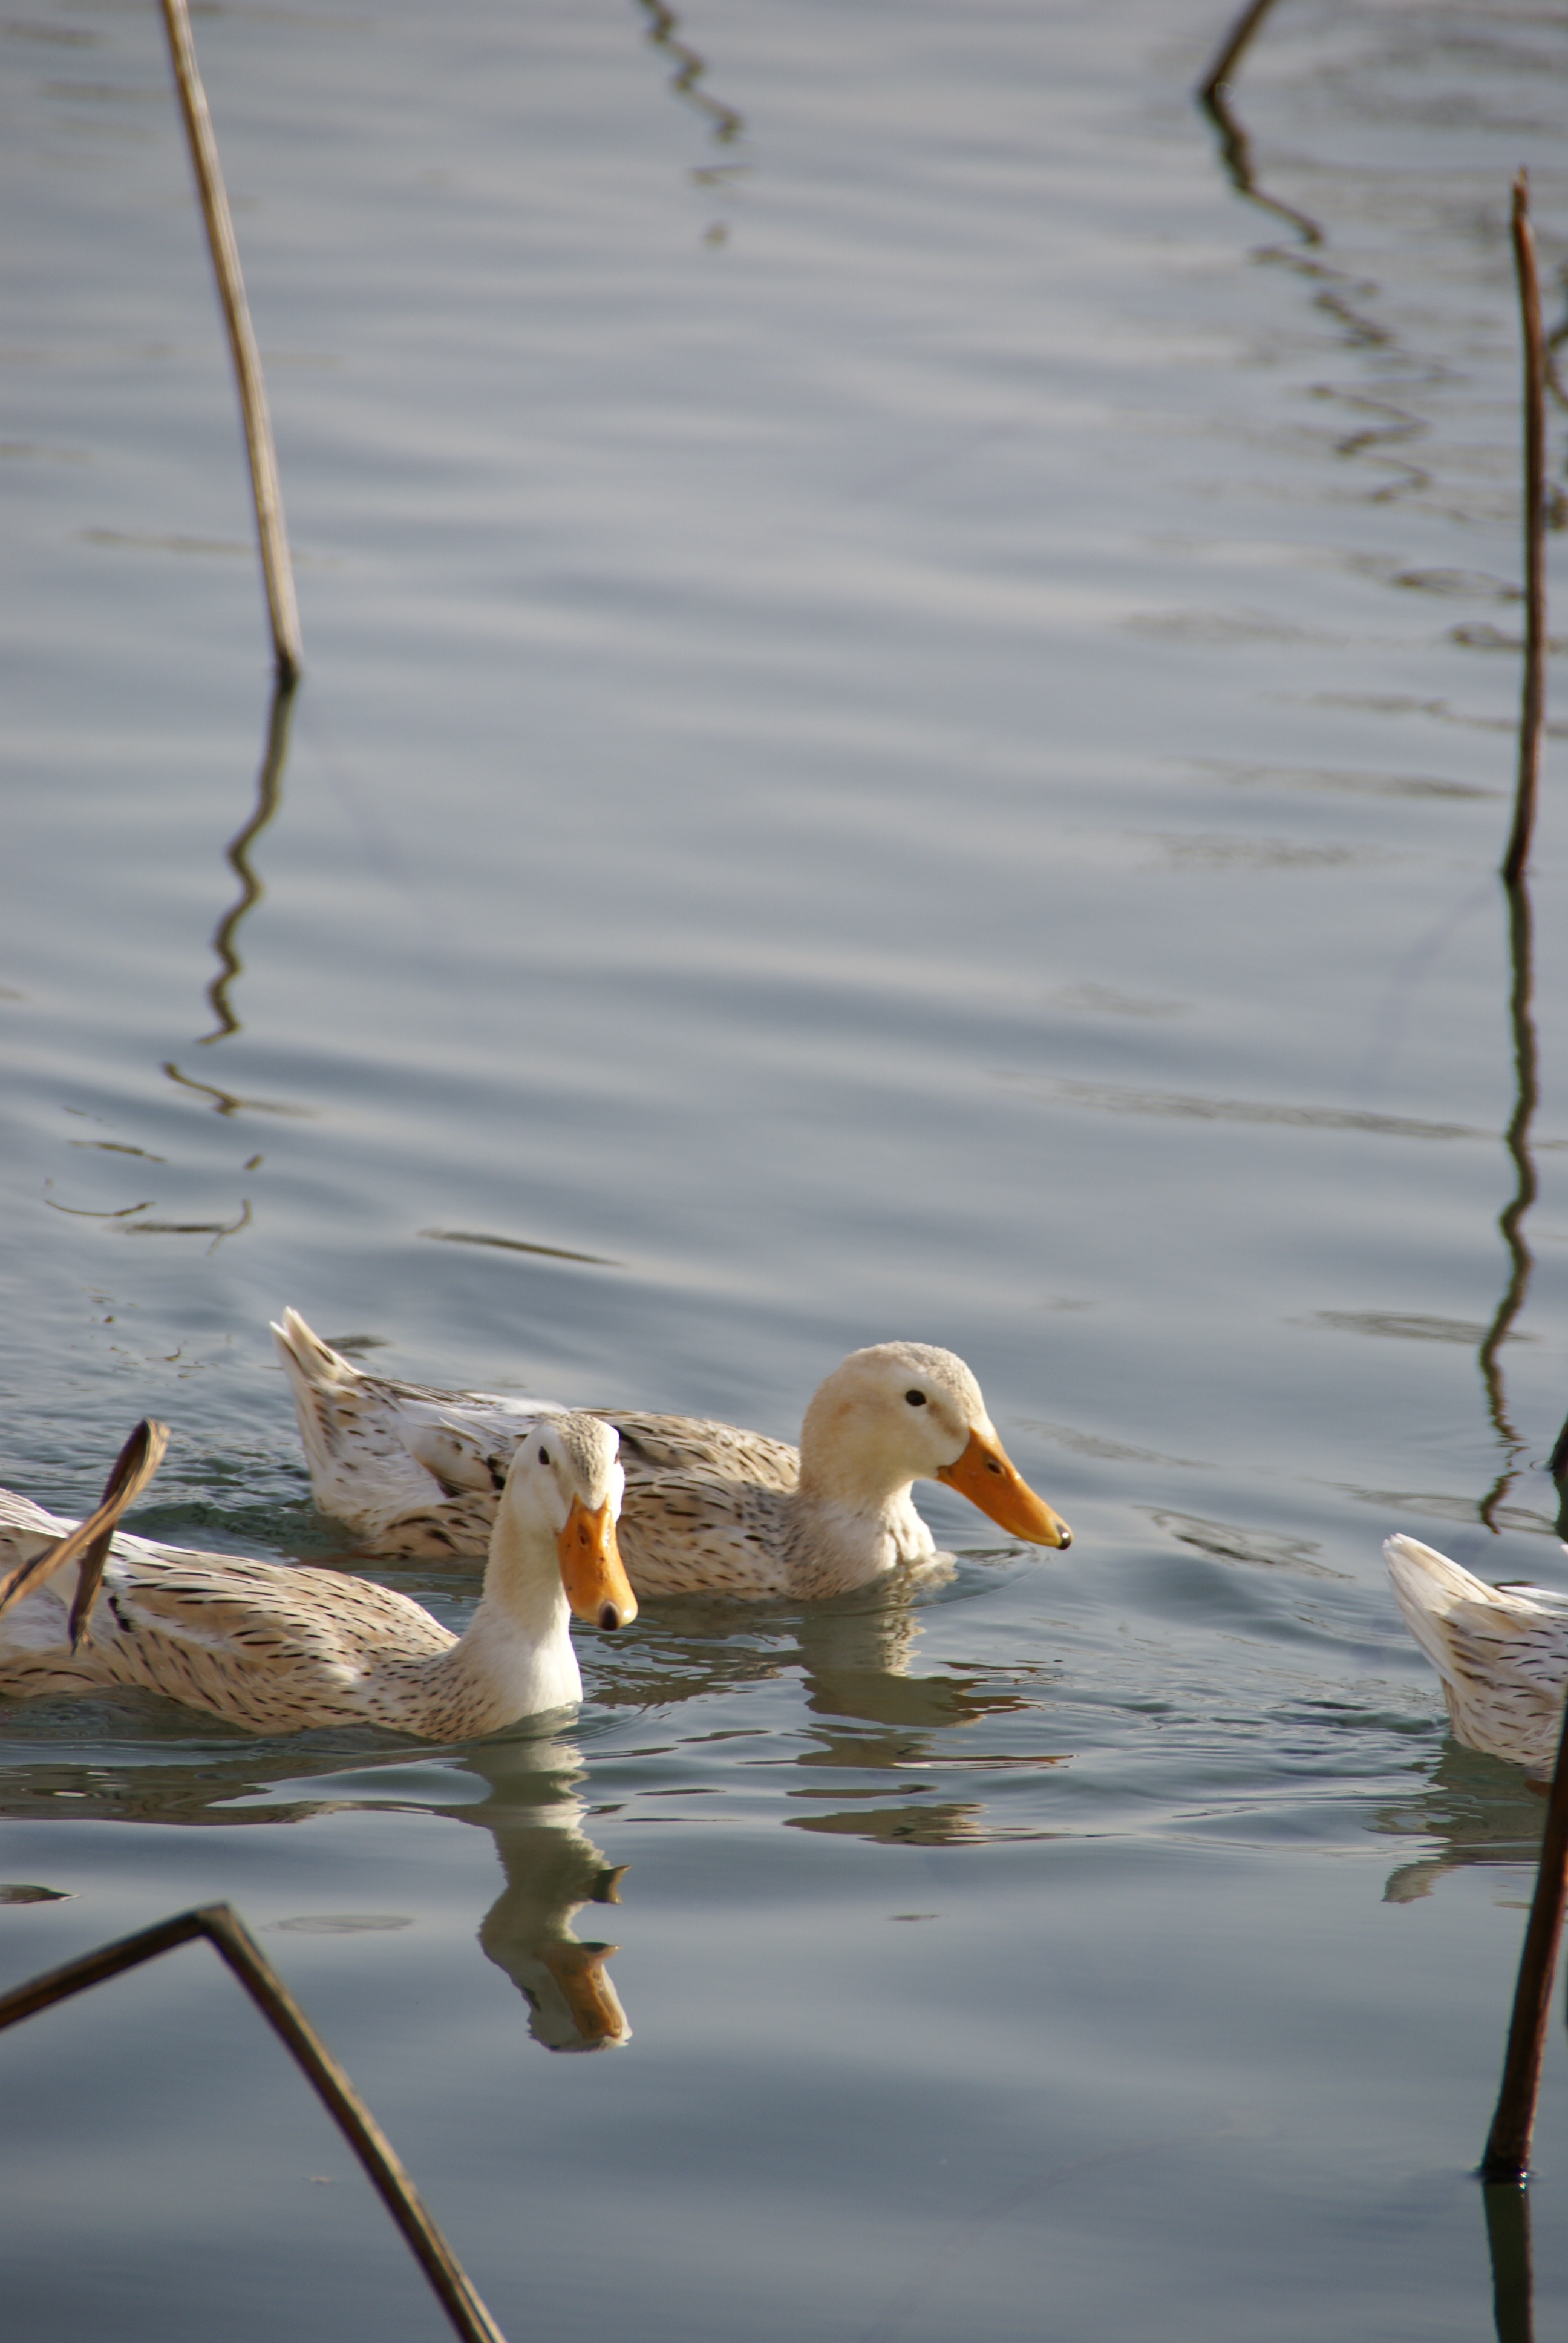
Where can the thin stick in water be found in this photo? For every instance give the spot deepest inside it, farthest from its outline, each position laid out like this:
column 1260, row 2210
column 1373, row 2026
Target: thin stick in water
column 1534, row 700
column 276, row 569
column 223, row 1928
column 1507, row 2156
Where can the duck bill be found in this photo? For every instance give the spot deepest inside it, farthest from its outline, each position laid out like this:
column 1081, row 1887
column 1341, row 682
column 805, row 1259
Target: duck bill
column 988, row 1477
column 592, row 1571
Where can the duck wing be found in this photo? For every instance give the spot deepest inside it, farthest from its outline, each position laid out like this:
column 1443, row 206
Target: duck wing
column 264, row 1646
column 419, row 1472
column 413, row 1471
column 707, row 1506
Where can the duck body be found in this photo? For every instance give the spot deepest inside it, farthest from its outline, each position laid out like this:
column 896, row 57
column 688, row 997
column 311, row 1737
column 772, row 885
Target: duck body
column 282, row 1650
column 1502, row 1653
column 710, row 1509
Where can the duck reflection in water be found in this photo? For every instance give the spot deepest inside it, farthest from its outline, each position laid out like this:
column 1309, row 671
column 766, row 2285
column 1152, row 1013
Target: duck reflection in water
column 1477, row 1810
column 532, row 1809
column 883, row 1728
column 552, row 1871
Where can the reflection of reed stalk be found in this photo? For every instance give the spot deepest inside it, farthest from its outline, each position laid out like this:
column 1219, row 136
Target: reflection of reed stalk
column 1531, row 713
column 1535, row 695
column 276, row 569
column 1511, row 1219
column 1513, row 2281
column 1236, row 42
column 224, row 1930
column 1213, row 95
column 1507, row 2157
column 268, row 788
column 663, row 33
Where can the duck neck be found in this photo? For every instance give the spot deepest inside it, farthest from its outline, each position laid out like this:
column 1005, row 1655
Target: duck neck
column 838, row 1541
column 519, row 1647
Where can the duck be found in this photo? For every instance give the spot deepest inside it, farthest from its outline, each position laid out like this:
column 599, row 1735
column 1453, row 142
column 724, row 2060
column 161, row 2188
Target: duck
column 1501, row 1650
column 710, row 1509
column 277, row 1649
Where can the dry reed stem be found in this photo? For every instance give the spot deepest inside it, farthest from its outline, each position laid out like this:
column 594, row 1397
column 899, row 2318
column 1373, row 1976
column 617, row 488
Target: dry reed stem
column 1533, row 705
column 276, row 569
column 1507, row 2156
column 133, row 1467
column 222, row 1929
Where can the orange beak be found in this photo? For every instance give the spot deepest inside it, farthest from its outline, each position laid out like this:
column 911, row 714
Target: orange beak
column 592, row 1572
column 986, row 1476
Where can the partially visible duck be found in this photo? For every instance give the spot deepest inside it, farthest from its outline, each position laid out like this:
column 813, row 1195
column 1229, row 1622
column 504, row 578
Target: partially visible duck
column 1501, row 1650
column 708, row 1509
column 283, row 1650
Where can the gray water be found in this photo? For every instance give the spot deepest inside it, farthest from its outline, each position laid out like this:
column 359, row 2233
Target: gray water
column 910, row 716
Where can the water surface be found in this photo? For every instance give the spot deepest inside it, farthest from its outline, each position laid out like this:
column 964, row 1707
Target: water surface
column 911, row 714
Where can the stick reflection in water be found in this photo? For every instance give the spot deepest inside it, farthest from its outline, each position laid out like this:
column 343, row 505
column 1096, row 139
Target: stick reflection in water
column 268, row 797
column 1213, row 94
column 1513, row 2280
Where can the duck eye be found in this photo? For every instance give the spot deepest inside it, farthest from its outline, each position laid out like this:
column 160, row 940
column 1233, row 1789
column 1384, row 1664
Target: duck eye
column 915, row 1398
column 544, row 1457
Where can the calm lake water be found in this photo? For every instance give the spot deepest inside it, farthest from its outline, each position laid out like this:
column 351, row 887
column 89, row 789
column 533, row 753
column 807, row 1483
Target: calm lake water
column 909, row 720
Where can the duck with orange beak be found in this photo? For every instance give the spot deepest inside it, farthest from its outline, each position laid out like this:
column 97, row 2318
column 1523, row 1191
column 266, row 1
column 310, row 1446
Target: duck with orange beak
column 280, row 1650
column 710, row 1509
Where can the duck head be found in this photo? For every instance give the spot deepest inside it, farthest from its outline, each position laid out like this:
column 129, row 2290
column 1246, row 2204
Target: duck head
column 567, row 1479
column 903, row 1411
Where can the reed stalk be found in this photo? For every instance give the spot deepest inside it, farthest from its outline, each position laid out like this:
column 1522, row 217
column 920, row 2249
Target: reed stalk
column 224, row 1931
column 1507, row 2156
column 276, row 569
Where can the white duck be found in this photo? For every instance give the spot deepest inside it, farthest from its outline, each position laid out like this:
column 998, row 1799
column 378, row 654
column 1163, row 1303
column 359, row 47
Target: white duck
column 282, row 1650
column 708, row 1509
column 1502, row 1653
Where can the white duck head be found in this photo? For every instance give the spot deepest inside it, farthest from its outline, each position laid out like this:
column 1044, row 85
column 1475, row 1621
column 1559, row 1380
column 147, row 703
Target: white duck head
column 564, row 1490
column 903, row 1411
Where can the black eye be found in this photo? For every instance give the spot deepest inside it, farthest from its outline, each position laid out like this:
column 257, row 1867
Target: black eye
column 916, row 1398
column 544, row 1457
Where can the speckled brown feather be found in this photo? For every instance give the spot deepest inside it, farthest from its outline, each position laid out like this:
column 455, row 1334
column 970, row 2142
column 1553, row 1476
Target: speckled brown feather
column 416, row 1473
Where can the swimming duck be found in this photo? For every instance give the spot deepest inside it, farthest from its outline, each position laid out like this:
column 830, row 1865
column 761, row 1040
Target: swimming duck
column 283, row 1650
column 708, row 1509
column 1502, row 1653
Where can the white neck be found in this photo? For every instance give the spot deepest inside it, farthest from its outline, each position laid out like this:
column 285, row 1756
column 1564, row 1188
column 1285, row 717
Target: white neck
column 518, row 1643
column 835, row 1543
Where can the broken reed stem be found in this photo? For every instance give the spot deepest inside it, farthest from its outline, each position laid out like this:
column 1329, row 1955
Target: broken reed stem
column 89, row 1542
column 1534, row 707
column 1507, row 2156
column 276, row 569
column 222, row 1929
